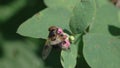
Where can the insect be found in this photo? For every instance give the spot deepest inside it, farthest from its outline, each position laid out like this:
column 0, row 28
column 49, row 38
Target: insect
column 65, row 44
column 116, row 3
column 56, row 37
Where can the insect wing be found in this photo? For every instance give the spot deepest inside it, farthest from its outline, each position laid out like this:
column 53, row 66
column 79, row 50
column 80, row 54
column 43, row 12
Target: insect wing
column 46, row 51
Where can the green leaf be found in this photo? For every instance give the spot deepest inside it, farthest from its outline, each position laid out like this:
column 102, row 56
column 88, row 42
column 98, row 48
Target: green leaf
column 102, row 51
column 83, row 14
column 37, row 26
column 105, row 18
column 102, row 2
column 69, row 57
column 69, row 4
column 59, row 14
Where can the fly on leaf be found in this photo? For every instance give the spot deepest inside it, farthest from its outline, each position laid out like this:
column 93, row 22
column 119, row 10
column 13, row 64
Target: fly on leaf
column 56, row 37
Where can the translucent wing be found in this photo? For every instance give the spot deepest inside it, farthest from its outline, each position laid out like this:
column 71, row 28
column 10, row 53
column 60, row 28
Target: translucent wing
column 46, row 50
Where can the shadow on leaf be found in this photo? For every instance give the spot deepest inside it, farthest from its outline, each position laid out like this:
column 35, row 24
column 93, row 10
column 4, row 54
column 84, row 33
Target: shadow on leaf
column 81, row 62
column 5, row 2
column 68, row 32
column 115, row 31
column 1, row 51
column 53, row 60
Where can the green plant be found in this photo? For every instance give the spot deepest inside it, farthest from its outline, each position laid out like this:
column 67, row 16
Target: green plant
column 94, row 23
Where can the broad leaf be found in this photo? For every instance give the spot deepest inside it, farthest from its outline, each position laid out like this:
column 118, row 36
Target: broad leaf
column 102, row 51
column 69, row 57
column 37, row 26
column 69, row 4
column 83, row 14
column 106, row 16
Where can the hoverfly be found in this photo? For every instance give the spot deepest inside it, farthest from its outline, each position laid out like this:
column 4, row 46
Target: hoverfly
column 56, row 37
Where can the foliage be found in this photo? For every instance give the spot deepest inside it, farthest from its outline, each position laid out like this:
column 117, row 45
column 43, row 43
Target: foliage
column 95, row 24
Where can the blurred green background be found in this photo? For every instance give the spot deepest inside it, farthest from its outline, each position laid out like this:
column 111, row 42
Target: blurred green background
column 17, row 51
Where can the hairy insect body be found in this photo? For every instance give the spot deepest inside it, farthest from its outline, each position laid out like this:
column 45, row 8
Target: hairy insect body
column 56, row 37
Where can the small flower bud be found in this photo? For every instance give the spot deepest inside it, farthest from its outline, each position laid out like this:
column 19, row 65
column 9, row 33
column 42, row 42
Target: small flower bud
column 72, row 38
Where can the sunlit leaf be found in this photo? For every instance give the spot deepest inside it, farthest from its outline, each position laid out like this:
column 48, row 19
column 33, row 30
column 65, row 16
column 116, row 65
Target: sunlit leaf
column 69, row 57
column 83, row 15
column 38, row 25
column 101, row 51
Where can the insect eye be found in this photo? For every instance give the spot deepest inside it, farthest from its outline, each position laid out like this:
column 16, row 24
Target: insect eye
column 51, row 34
